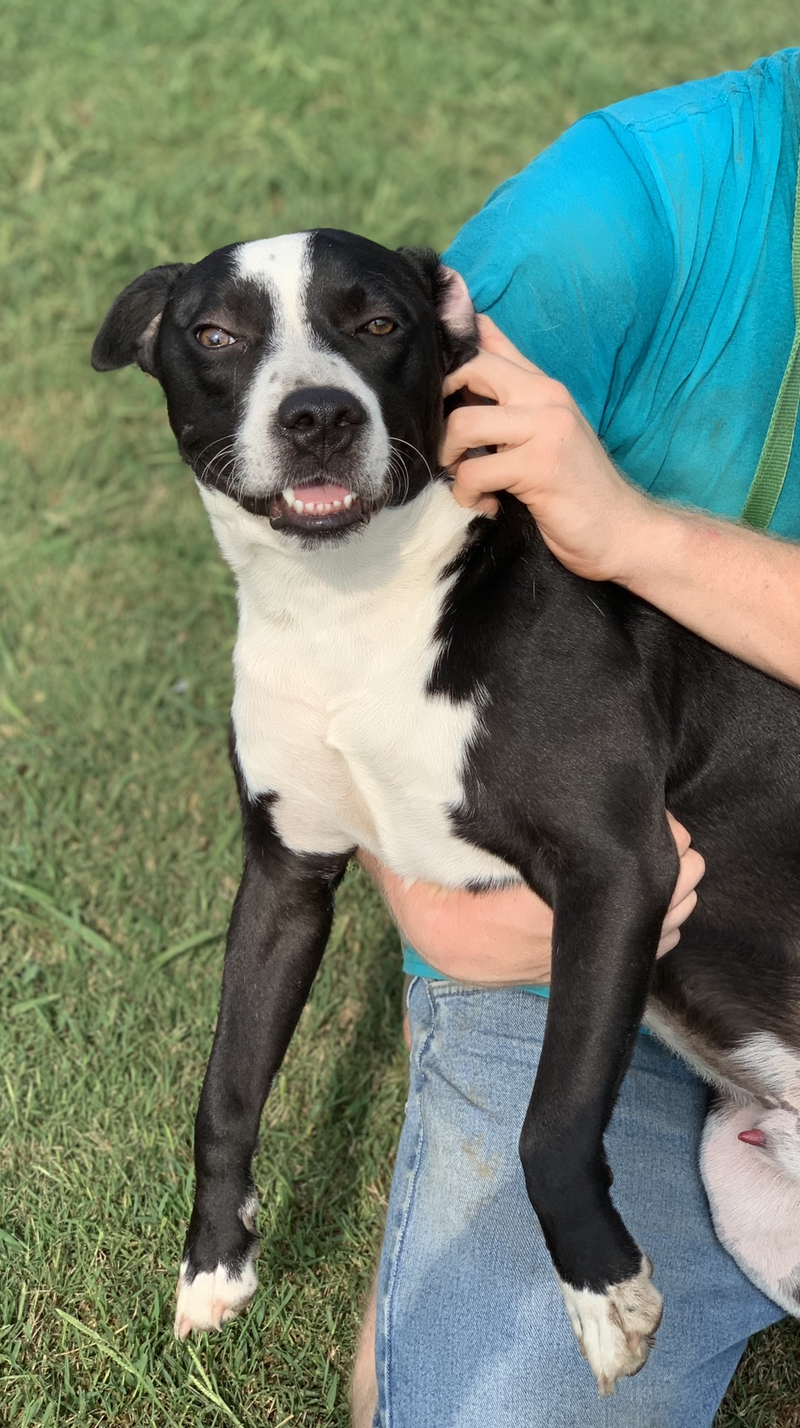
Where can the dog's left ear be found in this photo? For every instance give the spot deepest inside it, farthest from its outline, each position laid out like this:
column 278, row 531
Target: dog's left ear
column 450, row 296
column 130, row 327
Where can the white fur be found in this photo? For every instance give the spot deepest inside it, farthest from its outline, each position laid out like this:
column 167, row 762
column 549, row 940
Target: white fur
column 754, row 1195
column 671, row 1034
column 248, row 1212
column 212, row 1299
column 770, row 1064
column 456, row 310
column 296, row 358
column 614, row 1330
column 334, row 651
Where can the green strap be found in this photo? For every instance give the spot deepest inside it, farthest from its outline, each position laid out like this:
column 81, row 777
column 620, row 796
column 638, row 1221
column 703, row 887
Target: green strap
column 773, row 463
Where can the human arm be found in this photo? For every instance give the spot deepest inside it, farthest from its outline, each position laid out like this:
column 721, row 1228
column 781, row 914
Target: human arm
column 736, row 588
column 503, row 938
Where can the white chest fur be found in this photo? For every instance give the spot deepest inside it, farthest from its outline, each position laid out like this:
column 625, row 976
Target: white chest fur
column 334, row 652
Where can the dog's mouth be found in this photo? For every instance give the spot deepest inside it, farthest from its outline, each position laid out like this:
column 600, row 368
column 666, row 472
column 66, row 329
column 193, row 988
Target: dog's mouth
column 321, row 507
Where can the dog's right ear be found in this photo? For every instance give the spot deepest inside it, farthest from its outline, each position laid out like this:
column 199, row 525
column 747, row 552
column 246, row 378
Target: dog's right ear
column 129, row 331
column 458, row 327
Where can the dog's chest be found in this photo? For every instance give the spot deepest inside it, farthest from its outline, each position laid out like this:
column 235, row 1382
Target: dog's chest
column 331, row 710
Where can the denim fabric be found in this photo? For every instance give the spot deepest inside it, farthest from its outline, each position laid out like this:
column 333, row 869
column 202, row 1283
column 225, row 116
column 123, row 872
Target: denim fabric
column 472, row 1331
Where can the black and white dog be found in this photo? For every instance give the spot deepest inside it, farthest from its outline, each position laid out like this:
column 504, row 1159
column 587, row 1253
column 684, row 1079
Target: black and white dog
column 432, row 685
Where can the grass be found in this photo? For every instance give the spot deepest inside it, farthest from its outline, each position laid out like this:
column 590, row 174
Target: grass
column 137, row 135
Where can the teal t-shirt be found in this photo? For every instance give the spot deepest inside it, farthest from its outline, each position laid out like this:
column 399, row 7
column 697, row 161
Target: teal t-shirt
column 644, row 260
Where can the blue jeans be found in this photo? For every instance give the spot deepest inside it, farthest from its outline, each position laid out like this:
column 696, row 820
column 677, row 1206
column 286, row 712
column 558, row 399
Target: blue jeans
column 471, row 1330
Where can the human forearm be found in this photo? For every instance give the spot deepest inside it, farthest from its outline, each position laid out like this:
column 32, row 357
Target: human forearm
column 503, row 938
column 497, row 938
column 736, row 588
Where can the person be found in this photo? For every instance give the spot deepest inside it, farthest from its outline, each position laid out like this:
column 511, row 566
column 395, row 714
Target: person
column 638, row 311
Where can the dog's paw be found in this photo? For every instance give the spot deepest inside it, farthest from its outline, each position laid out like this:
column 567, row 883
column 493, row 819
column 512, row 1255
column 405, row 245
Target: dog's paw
column 212, row 1298
column 207, row 1299
column 615, row 1329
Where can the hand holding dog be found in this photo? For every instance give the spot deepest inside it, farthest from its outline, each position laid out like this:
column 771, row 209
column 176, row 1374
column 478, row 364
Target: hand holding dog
column 733, row 586
column 547, row 456
column 504, row 937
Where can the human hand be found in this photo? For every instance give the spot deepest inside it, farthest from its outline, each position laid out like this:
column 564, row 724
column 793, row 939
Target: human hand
column 547, row 456
column 503, row 938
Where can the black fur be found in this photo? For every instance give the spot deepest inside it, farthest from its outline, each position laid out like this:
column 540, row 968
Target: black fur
column 123, row 337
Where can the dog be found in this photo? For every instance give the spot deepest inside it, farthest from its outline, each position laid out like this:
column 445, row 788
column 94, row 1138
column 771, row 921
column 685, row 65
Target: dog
column 430, row 684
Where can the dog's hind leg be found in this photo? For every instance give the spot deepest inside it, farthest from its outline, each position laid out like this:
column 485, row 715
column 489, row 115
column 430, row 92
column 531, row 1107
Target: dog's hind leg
column 750, row 1164
column 279, row 928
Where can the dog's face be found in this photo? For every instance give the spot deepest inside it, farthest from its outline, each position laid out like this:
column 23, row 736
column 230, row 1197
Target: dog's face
column 302, row 373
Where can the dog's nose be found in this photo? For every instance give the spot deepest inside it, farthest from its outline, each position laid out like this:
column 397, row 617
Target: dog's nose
column 325, row 417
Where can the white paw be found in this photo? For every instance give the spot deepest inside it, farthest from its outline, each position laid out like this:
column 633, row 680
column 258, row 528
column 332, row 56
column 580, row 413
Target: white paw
column 212, row 1298
column 615, row 1329
column 215, row 1296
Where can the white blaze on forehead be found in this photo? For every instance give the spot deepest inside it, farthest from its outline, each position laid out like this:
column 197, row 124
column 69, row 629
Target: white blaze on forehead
column 282, row 265
column 297, row 357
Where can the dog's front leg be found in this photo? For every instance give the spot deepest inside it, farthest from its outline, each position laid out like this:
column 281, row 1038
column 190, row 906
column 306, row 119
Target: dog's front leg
column 279, row 928
column 605, row 933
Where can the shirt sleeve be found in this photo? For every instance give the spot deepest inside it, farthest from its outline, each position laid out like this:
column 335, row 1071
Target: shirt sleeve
column 573, row 260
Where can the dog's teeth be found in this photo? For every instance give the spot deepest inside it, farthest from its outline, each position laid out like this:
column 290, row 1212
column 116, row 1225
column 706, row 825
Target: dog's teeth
column 315, row 508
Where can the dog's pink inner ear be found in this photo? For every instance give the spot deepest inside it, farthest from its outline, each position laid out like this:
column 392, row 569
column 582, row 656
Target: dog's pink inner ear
column 456, row 312
column 147, row 342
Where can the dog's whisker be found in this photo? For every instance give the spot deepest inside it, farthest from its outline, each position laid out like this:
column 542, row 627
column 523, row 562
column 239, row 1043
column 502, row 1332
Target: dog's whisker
column 416, row 452
column 398, row 470
column 404, row 463
column 224, row 441
column 219, row 465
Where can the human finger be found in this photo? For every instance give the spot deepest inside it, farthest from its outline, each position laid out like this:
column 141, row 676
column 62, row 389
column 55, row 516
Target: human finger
column 690, row 872
column 692, row 864
column 673, row 922
column 667, row 942
column 681, row 835
column 494, row 376
column 476, row 479
column 472, row 426
column 493, row 340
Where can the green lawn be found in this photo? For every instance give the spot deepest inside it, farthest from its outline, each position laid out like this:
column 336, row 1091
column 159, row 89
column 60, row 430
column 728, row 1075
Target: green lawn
column 136, row 134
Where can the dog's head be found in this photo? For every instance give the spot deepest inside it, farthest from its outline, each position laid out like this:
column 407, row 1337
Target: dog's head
column 303, row 373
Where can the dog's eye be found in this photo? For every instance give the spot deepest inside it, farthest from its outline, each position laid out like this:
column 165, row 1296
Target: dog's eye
column 214, row 337
column 379, row 327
